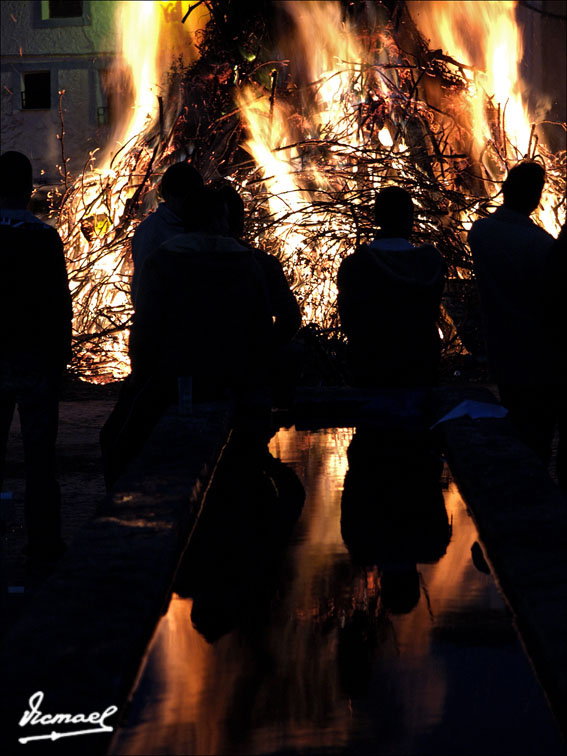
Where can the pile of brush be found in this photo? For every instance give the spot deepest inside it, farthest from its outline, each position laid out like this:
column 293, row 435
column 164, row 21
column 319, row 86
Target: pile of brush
column 429, row 155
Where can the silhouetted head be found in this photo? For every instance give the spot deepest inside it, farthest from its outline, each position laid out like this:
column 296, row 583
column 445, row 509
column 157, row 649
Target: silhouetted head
column 393, row 212
column 205, row 212
column 16, row 180
column 180, row 182
column 523, row 187
column 235, row 210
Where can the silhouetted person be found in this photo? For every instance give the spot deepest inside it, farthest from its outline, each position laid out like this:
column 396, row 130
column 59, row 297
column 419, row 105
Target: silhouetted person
column 510, row 254
column 283, row 304
column 203, row 306
column 389, row 297
column 180, row 182
column 201, row 311
column 35, row 346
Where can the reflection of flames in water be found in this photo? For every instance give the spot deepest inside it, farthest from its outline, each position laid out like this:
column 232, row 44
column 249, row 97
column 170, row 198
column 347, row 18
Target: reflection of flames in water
column 278, row 683
column 319, row 160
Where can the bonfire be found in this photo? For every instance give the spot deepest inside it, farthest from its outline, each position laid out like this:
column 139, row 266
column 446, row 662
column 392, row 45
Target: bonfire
column 308, row 109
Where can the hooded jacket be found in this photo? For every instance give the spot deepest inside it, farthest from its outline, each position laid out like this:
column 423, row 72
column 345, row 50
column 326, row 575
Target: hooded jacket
column 202, row 309
column 156, row 229
column 389, row 297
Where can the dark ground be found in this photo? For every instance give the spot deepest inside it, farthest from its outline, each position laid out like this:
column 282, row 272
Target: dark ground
column 82, row 412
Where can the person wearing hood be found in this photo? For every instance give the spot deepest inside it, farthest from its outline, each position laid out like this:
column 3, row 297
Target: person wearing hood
column 203, row 306
column 202, row 311
column 179, row 182
column 389, row 294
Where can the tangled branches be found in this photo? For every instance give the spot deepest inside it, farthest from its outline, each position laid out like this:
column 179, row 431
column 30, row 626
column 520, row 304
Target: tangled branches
column 309, row 200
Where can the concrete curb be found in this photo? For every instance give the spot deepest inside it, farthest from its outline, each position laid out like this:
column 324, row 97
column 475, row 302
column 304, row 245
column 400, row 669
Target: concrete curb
column 521, row 517
column 83, row 636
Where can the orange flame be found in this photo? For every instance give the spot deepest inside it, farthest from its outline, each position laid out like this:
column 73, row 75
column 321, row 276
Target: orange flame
column 338, row 74
column 485, row 36
column 339, row 81
column 151, row 36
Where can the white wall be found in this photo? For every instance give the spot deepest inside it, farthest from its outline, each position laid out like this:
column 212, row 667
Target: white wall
column 73, row 51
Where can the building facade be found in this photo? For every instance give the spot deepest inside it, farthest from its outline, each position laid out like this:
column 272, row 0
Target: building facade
column 51, row 47
column 69, row 46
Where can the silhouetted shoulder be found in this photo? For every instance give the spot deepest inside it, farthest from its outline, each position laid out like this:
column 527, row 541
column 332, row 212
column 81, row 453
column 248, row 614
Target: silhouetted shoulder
column 505, row 222
column 411, row 265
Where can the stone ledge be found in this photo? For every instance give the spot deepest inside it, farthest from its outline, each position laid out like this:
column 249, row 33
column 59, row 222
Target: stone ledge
column 521, row 517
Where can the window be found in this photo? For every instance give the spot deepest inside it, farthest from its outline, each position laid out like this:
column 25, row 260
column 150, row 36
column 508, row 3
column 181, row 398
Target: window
column 36, row 92
column 55, row 13
column 65, row 8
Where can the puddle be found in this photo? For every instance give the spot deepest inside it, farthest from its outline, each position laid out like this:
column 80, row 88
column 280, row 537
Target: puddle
column 354, row 621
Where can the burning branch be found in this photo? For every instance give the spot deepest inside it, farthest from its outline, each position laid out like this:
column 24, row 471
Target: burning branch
column 307, row 163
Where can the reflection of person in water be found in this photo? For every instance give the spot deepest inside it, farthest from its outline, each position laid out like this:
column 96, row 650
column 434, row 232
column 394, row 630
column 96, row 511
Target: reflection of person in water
column 393, row 513
column 232, row 564
column 392, row 517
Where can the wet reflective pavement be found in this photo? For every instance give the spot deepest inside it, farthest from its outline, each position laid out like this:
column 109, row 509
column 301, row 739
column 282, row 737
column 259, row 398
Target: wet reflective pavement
column 321, row 614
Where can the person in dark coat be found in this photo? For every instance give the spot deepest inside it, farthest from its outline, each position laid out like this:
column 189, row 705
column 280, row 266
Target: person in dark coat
column 389, row 294
column 202, row 311
column 510, row 255
column 203, row 306
column 282, row 303
column 35, row 346
column 179, row 182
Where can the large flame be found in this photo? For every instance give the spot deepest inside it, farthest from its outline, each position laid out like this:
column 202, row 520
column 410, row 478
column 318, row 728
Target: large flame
column 338, row 129
column 342, row 75
column 337, row 82
column 95, row 222
column 486, row 37
column 151, row 36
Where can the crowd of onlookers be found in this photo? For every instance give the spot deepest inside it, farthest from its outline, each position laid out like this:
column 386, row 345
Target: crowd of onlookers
column 216, row 316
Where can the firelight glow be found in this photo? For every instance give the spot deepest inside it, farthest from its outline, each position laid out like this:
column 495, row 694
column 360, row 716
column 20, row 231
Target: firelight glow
column 335, row 66
column 485, row 36
column 306, row 149
column 150, row 38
